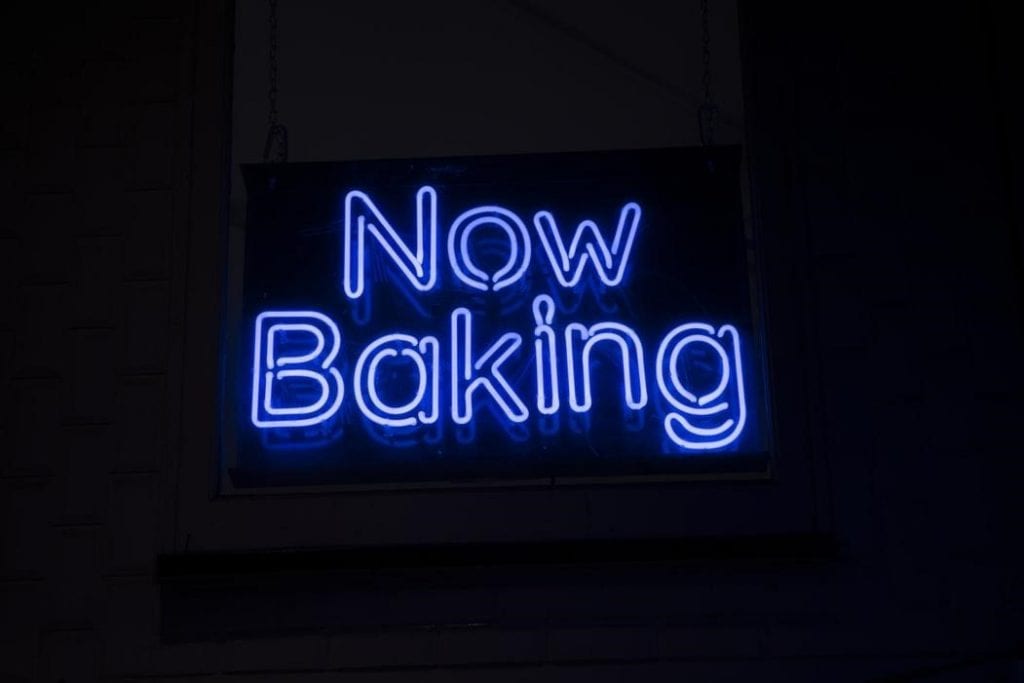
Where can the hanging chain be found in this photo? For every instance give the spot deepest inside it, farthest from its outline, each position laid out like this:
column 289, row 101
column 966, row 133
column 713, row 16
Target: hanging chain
column 277, row 134
column 707, row 113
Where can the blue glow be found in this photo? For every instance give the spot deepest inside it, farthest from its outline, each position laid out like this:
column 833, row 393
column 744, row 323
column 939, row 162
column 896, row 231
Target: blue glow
column 634, row 420
column 469, row 375
column 634, row 383
column 459, row 251
column 361, row 310
column 545, row 355
column 403, row 437
column 294, row 383
column 293, row 408
column 609, row 262
column 589, row 291
column 486, row 320
column 372, row 406
column 549, row 424
column 302, row 438
column 272, row 358
column 579, row 423
column 704, row 421
column 419, row 268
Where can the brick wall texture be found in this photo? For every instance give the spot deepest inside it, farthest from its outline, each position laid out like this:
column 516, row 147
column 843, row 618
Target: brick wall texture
column 916, row 308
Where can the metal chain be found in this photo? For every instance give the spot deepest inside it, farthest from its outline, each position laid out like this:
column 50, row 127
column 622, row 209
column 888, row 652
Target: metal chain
column 272, row 65
column 707, row 113
column 277, row 134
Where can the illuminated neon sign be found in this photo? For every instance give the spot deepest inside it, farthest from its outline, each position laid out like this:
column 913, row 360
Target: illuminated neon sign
column 495, row 323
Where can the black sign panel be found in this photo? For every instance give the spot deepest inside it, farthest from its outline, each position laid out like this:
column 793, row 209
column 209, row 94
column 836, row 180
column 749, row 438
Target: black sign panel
column 494, row 319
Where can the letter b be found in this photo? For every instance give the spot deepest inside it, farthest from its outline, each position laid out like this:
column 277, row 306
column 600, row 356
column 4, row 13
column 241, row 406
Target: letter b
column 293, row 383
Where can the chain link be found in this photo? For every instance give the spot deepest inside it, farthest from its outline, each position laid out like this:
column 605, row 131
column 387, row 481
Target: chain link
column 277, row 134
column 707, row 113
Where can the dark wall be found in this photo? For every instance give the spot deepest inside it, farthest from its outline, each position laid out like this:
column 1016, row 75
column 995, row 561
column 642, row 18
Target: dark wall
column 884, row 145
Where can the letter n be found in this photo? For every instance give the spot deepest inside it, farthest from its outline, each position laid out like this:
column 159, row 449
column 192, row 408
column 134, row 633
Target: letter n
column 362, row 218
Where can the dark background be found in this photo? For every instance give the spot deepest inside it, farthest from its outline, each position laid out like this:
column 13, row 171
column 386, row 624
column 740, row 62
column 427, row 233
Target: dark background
column 885, row 152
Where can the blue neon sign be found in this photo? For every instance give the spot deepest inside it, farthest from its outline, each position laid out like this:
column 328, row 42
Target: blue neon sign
column 493, row 318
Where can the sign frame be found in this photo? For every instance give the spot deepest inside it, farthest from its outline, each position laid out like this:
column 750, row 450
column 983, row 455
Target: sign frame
column 679, row 225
